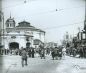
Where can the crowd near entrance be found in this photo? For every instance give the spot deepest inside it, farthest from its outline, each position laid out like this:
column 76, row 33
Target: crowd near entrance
column 55, row 53
column 13, row 45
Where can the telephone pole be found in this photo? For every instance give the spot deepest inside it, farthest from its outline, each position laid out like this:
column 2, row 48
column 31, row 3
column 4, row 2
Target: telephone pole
column 85, row 17
column 1, row 29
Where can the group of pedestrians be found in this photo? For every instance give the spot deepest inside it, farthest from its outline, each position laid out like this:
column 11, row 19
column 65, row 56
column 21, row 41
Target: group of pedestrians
column 31, row 52
column 42, row 53
column 58, row 53
column 10, row 51
column 79, row 51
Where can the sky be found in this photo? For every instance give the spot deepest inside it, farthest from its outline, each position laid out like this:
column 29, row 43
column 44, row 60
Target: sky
column 55, row 17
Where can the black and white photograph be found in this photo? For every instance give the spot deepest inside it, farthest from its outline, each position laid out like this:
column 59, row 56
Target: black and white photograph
column 42, row 36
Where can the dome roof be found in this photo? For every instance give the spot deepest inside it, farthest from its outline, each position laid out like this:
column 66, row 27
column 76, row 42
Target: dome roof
column 24, row 24
column 10, row 22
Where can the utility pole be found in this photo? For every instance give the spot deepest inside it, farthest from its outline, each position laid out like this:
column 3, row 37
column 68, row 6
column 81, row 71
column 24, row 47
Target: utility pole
column 1, row 30
column 85, row 21
column 85, row 17
column 44, row 39
column 1, row 27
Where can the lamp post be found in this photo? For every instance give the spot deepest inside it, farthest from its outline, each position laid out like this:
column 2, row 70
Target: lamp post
column 85, row 17
column 1, row 31
column 1, row 27
column 84, row 31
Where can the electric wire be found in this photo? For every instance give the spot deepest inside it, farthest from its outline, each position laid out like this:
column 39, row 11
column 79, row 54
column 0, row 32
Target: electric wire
column 50, row 11
column 61, row 26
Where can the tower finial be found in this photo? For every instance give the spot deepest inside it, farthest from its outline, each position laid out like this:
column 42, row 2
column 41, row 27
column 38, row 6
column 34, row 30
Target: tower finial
column 10, row 14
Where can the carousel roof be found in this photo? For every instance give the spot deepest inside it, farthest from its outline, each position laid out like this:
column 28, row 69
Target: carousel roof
column 24, row 24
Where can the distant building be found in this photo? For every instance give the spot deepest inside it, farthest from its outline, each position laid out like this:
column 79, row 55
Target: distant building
column 22, row 35
column 51, row 45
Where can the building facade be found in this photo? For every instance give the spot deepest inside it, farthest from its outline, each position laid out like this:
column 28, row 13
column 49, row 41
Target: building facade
column 1, row 27
column 22, row 35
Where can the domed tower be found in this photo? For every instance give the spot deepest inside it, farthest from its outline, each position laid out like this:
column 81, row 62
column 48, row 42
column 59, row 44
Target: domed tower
column 10, row 23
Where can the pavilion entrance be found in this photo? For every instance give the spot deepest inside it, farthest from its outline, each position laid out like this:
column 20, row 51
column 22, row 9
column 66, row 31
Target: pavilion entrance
column 13, row 45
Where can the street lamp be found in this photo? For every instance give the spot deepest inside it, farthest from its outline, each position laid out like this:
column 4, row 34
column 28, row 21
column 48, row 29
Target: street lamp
column 85, row 17
column 1, row 26
column 84, row 31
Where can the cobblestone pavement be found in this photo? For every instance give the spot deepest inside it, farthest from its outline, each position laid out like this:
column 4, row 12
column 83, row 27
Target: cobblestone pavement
column 12, row 64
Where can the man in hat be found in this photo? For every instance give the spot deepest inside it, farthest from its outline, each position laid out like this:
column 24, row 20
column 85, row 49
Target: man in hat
column 24, row 57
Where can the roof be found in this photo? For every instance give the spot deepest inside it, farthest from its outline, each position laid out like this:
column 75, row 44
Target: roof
column 10, row 20
column 24, row 24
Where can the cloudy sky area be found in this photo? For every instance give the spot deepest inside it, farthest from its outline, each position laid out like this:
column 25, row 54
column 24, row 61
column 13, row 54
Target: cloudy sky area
column 42, row 14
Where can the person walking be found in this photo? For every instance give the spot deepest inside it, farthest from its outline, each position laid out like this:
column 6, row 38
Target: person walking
column 60, row 53
column 29, row 52
column 24, row 57
column 32, row 52
column 81, row 52
column 63, row 52
column 42, row 53
column 53, row 54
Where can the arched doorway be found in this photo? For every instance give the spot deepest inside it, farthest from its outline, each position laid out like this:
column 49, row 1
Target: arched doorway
column 14, row 45
column 28, row 44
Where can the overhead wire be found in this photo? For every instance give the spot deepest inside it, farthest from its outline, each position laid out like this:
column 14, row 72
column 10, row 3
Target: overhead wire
column 43, row 12
column 61, row 26
column 48, row 11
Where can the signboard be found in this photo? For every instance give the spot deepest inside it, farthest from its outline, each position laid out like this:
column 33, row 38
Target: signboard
column 83, row 36
column 28, row 33
column 79, row 36
column 36, row 42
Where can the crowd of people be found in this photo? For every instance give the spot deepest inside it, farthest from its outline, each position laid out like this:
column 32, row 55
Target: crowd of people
column 79, row 52
column 55, row 53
